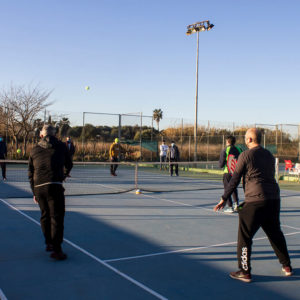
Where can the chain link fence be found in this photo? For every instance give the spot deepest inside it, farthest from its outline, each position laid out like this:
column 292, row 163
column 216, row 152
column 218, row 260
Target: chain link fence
column 94, row 132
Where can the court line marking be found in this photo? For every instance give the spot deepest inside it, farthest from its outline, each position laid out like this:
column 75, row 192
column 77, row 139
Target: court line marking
column 2, row 296
column 186, row 250
column 296, row 228
column 102, row 262
column 185, row 204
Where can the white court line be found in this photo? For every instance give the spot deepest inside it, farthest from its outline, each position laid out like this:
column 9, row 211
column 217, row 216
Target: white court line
column 102, row 262
column 177, row 202
column 184, row 250
column 290, row 227
column 2, row 296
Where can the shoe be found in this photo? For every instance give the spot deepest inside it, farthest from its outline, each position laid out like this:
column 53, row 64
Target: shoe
column 58, row 255
column 4, row 179
column 241, row 275
column 49, row 248
column 288, row 271
column 235, row 206
column 228, row 210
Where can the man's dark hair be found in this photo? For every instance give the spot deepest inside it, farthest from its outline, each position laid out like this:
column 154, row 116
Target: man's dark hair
column 231, row 140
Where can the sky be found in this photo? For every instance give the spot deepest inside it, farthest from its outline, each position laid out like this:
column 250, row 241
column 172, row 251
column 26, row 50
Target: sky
column 136, row 57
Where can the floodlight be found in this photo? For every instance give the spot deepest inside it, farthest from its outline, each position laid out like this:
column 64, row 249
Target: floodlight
column 210, row 26
column 197, row 27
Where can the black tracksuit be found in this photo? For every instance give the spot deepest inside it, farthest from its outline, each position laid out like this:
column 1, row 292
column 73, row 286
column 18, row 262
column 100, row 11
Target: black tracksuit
column 3, row 153
column 49, row 164
column 261, row 207
column 173, row 156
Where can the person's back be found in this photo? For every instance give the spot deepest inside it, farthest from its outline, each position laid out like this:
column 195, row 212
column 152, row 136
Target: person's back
column 48, row 166
column 48, row 158
column 174, row 152
column 230, row 150
column 261, row 207
column 173, row 155
column 259, row 178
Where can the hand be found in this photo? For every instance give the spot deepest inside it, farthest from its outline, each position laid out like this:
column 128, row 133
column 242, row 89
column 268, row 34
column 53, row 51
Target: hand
column 66, row 176
column 34, row 200
column 220, row 205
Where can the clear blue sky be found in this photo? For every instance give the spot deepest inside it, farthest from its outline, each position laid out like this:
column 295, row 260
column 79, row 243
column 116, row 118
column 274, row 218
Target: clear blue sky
column 135, row 56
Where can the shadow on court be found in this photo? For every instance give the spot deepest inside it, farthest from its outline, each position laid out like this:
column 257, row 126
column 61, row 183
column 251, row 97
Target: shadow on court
column 9, row 189
column 27, row 272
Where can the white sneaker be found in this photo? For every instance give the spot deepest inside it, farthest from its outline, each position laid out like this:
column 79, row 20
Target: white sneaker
column 235, row 207
column 228, row 210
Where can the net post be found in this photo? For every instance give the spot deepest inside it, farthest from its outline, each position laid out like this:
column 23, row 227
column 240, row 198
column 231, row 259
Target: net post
column 82, row 138
column 277, row 169
column 136, row 176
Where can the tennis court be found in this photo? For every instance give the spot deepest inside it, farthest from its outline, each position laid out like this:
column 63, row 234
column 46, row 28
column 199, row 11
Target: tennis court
column 139, row 246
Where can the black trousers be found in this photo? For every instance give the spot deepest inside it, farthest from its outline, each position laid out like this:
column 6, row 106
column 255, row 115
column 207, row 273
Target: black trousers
column 252, row 216
column 173, row 164
column 226, row 179
column 113, row 168
column 3, row 167
column 51, row 200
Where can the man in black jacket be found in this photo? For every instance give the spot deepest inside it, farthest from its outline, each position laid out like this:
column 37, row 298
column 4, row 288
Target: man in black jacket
column 70, row 147
column 3, row 153
column 49, row 164
column 173, row 156
column 261, row 207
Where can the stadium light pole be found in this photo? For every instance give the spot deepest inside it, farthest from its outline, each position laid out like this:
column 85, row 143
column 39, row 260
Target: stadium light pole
column 196, row 28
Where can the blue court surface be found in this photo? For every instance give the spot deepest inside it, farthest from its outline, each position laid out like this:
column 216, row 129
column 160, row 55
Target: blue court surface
column 142, row 246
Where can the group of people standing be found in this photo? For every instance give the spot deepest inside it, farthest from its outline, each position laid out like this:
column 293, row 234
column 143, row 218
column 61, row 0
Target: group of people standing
column 50, row 164
column 171, row 154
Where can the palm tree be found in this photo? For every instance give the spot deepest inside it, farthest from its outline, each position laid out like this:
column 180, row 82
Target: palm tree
column 157, row 116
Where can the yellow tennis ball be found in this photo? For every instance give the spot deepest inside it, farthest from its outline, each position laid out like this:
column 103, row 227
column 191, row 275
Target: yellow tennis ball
column 87, row 88
column 18, row 151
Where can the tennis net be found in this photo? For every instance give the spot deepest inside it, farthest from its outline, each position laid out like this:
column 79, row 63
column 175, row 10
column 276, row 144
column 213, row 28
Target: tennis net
column 94, row 178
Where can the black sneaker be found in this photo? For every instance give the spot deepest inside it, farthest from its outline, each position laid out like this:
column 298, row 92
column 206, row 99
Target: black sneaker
column 241, row 275
column 58, row 255
column 288, row 271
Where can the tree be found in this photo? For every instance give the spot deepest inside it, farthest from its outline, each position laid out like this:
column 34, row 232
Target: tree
column 22, row 105
column 157, row 116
